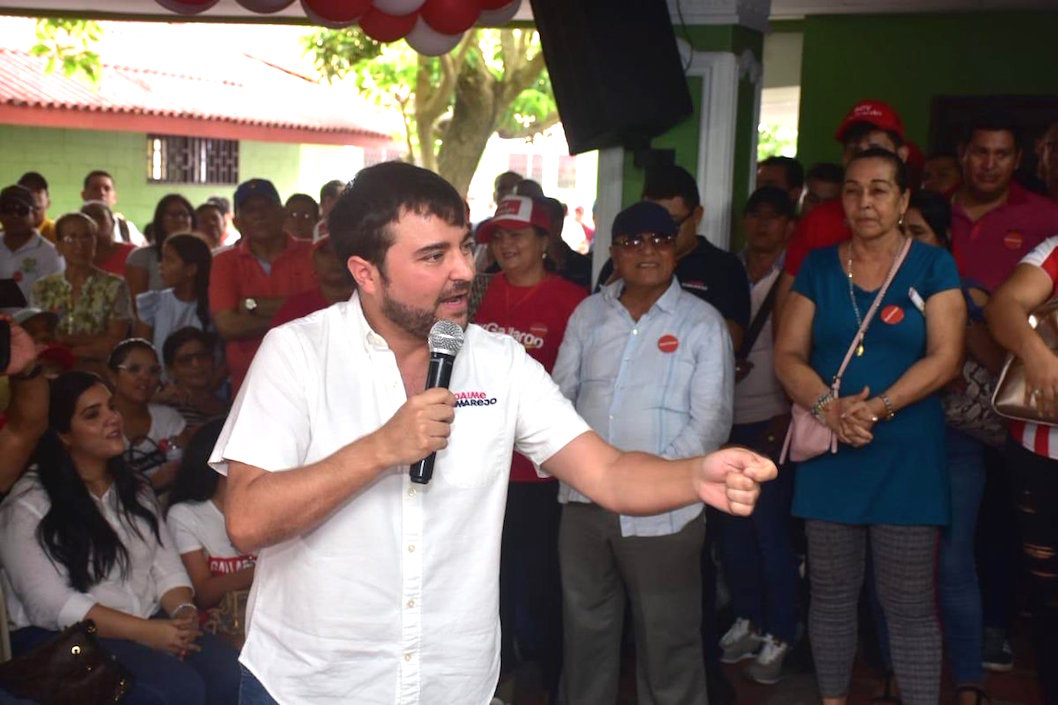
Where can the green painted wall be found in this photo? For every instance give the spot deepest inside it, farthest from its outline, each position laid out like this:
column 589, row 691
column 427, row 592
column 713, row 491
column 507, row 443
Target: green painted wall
column 906, row 60
column 64, row 156
column 684, row 137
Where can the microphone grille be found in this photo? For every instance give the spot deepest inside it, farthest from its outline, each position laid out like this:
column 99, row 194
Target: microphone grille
column 446, row 337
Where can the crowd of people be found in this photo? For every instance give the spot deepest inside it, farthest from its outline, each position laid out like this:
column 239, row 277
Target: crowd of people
column 866, row 295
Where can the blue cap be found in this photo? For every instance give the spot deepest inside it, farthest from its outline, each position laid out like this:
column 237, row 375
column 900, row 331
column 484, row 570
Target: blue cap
column 643, row 217
column 256, row 187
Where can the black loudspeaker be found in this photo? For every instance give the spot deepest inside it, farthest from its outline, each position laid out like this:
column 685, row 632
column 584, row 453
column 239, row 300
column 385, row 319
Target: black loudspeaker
column 615, row 70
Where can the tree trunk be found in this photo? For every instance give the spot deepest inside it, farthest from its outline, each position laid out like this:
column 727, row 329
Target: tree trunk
column 474, row 118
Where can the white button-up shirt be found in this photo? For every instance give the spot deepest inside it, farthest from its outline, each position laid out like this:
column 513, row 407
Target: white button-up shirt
column 36, row 259
column 37, row 588
column 394, row 598
column 663, row 384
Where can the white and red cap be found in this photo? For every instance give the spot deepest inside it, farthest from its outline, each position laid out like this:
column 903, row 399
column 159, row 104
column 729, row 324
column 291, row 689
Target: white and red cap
column 514, row 213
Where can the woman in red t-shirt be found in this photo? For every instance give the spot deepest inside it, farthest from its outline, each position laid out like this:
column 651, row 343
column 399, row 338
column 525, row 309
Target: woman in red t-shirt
column 532, row 305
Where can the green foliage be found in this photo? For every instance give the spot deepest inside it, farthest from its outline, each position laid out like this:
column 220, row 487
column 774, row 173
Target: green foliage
column 391, row 75
column 776, row 140
column 68, row 44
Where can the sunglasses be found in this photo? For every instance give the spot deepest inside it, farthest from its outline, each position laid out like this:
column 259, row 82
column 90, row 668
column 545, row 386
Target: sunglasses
column 636, row 242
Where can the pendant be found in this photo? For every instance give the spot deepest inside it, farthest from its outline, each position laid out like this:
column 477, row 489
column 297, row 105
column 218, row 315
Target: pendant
column 859, row 351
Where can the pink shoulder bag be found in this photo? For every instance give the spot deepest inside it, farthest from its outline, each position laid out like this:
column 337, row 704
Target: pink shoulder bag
column 807, row 437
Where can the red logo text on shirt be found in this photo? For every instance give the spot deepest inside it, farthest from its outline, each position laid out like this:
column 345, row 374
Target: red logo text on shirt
column 892, row 314
column 1013, row 240
column 668, row 343
column 474, row 399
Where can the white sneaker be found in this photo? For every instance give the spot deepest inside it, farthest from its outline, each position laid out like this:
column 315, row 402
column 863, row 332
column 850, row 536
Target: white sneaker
column 740, row 642
column 767, row 668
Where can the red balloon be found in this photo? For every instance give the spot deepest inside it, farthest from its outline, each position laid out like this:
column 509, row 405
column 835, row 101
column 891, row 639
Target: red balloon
column 493, row 4
column 451, row 16
column 187, row 7
column 336, row 11
column 387, row 28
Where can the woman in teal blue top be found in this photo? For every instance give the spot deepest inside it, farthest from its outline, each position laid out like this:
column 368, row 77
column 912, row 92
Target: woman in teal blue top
column 888, row 478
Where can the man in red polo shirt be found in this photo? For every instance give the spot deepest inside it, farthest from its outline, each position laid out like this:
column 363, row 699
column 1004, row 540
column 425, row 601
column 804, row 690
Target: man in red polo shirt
column 249, row 282
column 870, row 123
column 995, row 221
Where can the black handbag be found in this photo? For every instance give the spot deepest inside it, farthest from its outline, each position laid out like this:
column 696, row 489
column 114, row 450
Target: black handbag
column 69, row 669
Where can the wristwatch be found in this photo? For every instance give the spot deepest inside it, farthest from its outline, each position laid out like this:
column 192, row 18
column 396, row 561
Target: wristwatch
column 250, row 304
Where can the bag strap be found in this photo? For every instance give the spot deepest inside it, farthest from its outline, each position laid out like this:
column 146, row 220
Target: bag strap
column 757, row 325
column 858, row 338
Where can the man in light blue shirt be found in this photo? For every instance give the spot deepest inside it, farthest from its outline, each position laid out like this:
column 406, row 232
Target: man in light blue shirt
column 650, row 368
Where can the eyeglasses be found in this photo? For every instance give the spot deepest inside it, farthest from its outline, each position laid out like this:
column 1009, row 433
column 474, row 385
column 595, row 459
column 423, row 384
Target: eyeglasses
column 187, row 358
column 79, row 239
column 300, row 216
column 636, row 242
column 135, row 369
column 16, row 209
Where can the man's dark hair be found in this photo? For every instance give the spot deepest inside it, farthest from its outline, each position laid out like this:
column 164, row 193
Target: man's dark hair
column 530, row 188
column 34, row 181
column 331, row 189
column 991, row 121
column 360, row 221
column 773, row 196
column 827, row 172
column 178, row 338
column 670, row 181
column 936, row 211
column 859, row 130
column 94, row 173
column 903, row 181
column 795, row 173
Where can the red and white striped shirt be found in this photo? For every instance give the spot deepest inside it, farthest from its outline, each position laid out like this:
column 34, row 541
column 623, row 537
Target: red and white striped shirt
column 1039, row 438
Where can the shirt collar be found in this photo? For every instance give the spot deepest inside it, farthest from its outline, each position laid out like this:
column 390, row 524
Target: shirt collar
column 779, row 262
column 372, row 341
column 667, row 303
column 243, row 245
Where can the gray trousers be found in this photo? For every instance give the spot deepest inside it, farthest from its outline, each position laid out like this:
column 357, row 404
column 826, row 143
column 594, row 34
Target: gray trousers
column 904, row 559
column 660, row 575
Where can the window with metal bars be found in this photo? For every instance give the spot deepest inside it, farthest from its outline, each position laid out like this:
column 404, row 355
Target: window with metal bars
column 172, row 159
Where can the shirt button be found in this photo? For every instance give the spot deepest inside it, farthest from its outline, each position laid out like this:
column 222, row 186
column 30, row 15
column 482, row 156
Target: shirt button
column 411, row 603
column 411, row 492
column 635, row 331
column 411, row 548
column 407, row 657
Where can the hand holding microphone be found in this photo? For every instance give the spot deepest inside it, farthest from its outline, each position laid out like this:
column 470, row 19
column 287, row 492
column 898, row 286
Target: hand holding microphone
column 422, row 425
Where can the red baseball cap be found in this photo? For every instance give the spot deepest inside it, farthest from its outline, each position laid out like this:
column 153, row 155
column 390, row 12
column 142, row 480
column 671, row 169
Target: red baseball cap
column 872, row 112
column 514, row 212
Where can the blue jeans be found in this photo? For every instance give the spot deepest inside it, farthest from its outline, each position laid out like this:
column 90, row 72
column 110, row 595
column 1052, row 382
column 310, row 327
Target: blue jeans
column 251, row 692
column 758, row 558
column 206, row 677
column 958, row 591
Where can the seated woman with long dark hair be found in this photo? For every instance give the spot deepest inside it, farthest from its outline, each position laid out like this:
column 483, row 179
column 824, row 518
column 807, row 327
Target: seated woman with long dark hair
column 83, row 539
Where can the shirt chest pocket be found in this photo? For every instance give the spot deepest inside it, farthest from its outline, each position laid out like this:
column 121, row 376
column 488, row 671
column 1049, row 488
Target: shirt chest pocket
column 479, row 449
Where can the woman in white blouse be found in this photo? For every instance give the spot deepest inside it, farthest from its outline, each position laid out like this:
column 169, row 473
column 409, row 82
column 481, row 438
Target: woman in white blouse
column 83, row 539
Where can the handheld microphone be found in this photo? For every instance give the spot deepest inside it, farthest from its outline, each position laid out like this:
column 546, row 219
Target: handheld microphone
column 446, row 338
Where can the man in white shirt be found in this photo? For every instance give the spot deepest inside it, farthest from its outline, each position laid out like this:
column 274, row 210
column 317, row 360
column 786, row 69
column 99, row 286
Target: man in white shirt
column 369, row 588
column 650, row 367
column 99, row 186
column 25, row 255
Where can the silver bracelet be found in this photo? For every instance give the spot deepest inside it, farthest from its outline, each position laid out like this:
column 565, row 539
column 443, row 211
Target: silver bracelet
column 181, row 606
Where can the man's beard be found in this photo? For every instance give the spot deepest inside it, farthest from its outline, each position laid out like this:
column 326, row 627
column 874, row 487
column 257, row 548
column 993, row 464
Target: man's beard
column 416, row 321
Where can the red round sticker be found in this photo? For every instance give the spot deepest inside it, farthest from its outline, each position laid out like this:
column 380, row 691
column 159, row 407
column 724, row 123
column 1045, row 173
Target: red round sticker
column 539, row 330
column 668, row 343
column 892, row 314
column 1013, row 240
